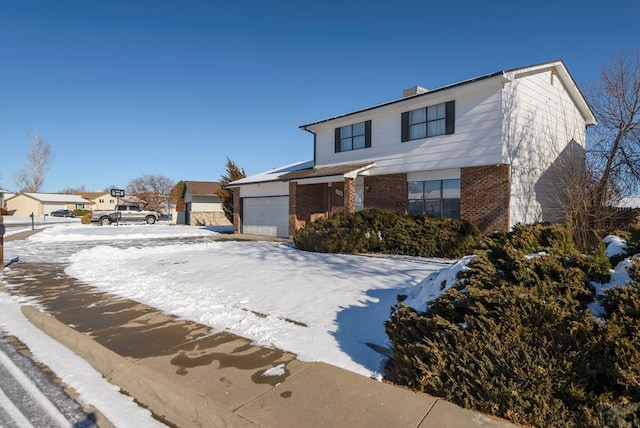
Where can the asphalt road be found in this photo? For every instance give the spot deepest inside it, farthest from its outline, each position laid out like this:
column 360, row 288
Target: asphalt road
column 29, row 398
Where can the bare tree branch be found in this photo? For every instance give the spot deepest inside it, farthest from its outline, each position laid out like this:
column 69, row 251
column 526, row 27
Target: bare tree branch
column 153, row 190
column 39, row 159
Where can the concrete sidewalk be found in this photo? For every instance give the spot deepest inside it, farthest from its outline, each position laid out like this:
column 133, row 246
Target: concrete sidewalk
column 189, row 376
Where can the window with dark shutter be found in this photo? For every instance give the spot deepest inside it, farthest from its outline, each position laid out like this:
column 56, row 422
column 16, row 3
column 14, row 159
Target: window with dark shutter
column 450, row 117
column 428, row 121
column 353, row 137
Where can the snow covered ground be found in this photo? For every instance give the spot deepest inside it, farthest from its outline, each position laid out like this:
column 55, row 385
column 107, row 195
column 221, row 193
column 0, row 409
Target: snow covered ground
column 322, row 307
column 338, row 303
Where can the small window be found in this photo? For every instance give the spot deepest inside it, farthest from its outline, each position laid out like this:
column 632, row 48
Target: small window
column 353, row 137
column 101, row 201
column 428, row 121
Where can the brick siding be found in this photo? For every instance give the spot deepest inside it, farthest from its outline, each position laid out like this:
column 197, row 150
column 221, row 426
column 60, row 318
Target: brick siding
column 388, row 192
column 208, row 218
column 237, row 211
column 305, row 203
column 484, row 198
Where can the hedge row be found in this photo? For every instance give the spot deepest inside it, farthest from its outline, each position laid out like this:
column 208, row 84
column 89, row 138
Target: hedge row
column 380, row 231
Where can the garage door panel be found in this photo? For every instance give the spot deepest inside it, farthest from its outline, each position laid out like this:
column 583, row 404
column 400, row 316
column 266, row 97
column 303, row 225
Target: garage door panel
column 266, row 216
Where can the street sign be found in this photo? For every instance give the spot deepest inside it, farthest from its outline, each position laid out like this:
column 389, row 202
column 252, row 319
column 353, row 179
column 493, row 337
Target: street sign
column 117, row 193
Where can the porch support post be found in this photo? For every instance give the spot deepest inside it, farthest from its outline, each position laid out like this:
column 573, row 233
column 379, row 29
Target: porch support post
column 349, row 195
column 293, row 206
column 237, row 214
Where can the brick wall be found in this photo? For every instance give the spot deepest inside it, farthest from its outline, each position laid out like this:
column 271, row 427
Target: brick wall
column 349, row 199
column 484, row 198
column 237, row 215
column 306, row 202
column 208, row 218
column 386, row 192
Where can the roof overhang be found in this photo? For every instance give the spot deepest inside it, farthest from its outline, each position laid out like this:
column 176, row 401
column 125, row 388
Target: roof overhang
column 559, row 69
column 503, row 76
column 271, row 176
column 327, row 174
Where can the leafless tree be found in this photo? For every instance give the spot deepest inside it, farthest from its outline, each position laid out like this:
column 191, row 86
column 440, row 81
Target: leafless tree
column 614, row 153
column 73, row 190
column 153, row 190
column 612, row 158
column 39, row 158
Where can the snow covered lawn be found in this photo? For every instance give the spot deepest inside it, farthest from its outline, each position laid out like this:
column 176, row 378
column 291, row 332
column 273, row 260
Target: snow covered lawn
column 322, row 307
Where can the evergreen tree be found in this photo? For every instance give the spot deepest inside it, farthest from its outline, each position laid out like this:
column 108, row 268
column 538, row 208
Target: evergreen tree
column 233, row 173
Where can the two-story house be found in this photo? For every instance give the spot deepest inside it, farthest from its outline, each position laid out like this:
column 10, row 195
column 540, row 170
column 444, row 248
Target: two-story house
column 492, row 149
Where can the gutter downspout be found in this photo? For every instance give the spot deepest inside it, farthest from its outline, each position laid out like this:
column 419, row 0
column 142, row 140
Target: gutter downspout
column 304, row 128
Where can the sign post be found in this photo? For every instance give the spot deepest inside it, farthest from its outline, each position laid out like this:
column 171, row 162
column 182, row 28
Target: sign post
column 117, row 193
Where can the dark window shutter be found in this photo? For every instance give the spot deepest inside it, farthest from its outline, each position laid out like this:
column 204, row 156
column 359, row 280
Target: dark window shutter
column 367, row 134
column 450, row 117
column 405, row 127
column 338, row 140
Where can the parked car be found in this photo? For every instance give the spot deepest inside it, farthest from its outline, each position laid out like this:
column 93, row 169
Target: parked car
column 125, row 213
column 63, row 213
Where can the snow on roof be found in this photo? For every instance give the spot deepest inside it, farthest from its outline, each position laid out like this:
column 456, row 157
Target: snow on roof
column 272, row 175
column 327, row 171
column 630, row 202
column 55, row 197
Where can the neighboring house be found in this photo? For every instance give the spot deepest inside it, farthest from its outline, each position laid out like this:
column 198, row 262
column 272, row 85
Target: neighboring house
column 492, row 150
column 40, row 204
column 100, row 200
column 200, row 205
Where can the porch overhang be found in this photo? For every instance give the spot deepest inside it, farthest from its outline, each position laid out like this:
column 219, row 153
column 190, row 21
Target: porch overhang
column 327, row 174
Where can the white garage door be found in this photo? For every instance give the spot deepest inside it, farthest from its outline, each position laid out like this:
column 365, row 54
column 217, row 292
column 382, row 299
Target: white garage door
column 266, row 216
column 51, row 207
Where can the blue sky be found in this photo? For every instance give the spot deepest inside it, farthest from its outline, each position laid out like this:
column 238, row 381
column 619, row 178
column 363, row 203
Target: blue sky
column 123, row 88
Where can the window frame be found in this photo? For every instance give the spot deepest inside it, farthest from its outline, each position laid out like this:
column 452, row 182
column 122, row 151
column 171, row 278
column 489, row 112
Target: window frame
column 427, row 198
column 449, row 121
column 339, row 137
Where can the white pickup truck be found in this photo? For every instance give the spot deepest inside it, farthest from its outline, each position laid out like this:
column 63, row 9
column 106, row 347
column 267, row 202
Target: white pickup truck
column 124, row 213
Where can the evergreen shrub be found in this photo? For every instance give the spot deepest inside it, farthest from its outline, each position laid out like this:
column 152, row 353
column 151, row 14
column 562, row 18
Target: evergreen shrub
column 515, row 337
column 382, row 231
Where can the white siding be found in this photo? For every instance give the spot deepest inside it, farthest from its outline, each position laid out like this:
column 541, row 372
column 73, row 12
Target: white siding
column 476, row 141
column 204, row 203
column 264, row 189
column 445, row 174
column 540, row 122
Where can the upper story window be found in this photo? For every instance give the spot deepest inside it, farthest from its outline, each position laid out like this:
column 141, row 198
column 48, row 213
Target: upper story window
column 352, row 137
column 428, row 121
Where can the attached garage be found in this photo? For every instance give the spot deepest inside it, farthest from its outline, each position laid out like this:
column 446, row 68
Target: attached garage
column 266, row 216
column 261, row 202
